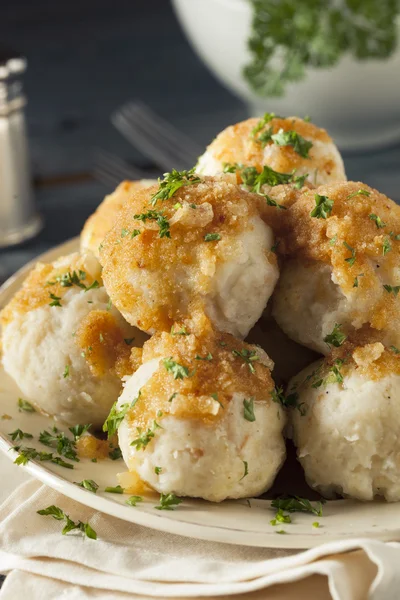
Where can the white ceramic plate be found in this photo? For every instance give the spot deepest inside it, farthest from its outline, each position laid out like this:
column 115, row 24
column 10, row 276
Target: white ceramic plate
column 244, row 522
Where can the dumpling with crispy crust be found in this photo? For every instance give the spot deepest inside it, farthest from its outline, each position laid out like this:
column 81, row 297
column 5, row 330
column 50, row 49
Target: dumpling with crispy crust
column 205, row 248
column 283, row 144
column 64, row 344
column 101, row 221
column 199, row 417
column 341, row 249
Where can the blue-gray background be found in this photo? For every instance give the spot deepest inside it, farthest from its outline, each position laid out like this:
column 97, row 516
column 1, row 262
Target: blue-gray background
column 86, row 58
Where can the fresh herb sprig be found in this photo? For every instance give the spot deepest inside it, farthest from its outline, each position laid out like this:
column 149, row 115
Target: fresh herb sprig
column 58, row 514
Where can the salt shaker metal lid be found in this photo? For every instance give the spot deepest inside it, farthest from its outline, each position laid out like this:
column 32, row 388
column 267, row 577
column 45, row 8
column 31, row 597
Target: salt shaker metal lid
column 19, row 219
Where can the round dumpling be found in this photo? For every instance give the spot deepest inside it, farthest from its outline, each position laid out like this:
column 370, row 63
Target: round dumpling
column 199, row 419
column 205, row 248
column 100, row 222
column 341, row 249
column 283, row 144
column 346, row 431
column 64, row 344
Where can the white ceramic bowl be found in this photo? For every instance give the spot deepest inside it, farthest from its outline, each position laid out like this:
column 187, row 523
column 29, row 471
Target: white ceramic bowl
column 357, row 102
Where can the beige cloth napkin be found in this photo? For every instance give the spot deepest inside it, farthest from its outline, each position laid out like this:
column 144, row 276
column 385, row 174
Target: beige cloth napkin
column 129, row 561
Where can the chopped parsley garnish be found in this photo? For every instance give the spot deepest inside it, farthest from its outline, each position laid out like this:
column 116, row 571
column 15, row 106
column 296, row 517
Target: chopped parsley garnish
column 18, row 434
column 359, row 193
column 289, row 401
column 394, row 236
column 66, row 372
column 174, row 395
column 231, row 167
column 124, row 232
column 145, row 437
column 27, row 454
column 333, row 240
column 208, row 357
column 109, row 305
column 297, row 504
column 315, row 524
column 55, row 300
column 212, row 237
column 78, row 430
column 172, row 182
column 336, row 337
column 351, row 259
column 249, row 356
column 64, row 446
column 274, row 248
column 88, row 484
column 280, row 517
column 181, row 331
column 25, row 406
column 246, row 470
column 254, row 180
column 392, row 289
column 394, row 349
column 128, row 341
column 133, row 500
column 335, row 375
column 386, row 246
column 157, row 470
column 156, row 215
column 60, row 515
column 263, row 122
column 168, row 502
column 323, row 207
column 294, row 139
column 271, row 202
column 114, row 490
column 355, row 283
column 116, row 416
column 248, row 410
column 378, row 221
column 69, row 279
column 177, row 370
column 93, row 286
column 115, row 454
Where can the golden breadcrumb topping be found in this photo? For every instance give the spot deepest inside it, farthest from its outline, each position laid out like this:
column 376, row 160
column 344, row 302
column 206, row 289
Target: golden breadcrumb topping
column 103, row 344
column 236, row 144
column 192, row 232
column 101, row 221
column 198, row 375
column 46, row 284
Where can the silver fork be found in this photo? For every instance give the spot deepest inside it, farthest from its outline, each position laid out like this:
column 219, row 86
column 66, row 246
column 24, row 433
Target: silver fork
column 157, row 139
column 110, row 169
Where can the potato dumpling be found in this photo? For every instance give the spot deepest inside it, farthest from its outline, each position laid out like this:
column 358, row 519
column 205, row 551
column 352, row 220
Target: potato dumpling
column 203, row 249
column 200, row 419
column 64, row 344
column 101, row 221
column 346, row 430
column 283, row 144
column 340, row 246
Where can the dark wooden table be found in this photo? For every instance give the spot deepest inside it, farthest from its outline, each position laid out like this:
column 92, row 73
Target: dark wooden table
column 85, row 59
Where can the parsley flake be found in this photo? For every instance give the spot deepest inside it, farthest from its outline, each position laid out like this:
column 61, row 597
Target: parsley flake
column 392, row 289
column 144, row 438
column 25, row 406
column 248, row 412
column 294, row 139
column 88, row 484
column 172, row 182
column 208, row 357
column 117, row 415
column 177, row 370
column 55, row 300
column 212, row 237
column 246, row 469
column 323, row 207
column 249, row 356
column 114, row 490
column 351, row 259
column 355, row 283
column 359, row 193
column 60, row 515
column 386, row 246
column 133, row 500
column 378, row 221
column 66, row 372
column 156, row 215
column 157, row 470
column 18, row 434
column 336, row 338
column 168, row 502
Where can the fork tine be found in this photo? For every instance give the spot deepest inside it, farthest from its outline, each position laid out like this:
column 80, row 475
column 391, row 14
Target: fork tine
column 175, row 145
column 111, row 170
column 169, row 131
column 157, row 139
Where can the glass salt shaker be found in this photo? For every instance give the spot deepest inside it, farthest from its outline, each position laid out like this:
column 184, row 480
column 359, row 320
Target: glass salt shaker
column 19, row 220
